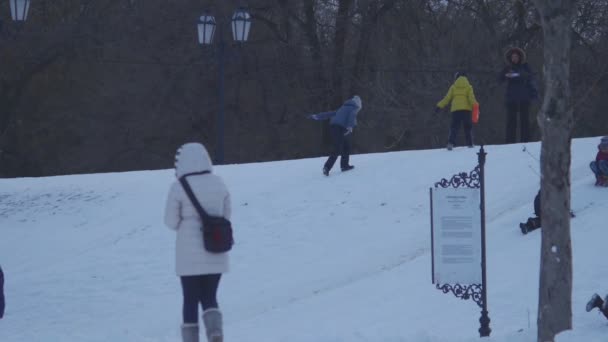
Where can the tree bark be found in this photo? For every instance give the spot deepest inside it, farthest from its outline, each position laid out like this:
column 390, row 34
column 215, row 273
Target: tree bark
column 555, row 121
column 340, row 37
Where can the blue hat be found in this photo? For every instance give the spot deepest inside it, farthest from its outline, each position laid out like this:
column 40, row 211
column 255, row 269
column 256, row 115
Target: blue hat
column 604, row 143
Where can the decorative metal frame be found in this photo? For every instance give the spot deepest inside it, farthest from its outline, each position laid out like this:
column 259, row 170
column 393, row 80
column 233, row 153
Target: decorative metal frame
column 476, row 292
column 464, row 292
column 471, row 180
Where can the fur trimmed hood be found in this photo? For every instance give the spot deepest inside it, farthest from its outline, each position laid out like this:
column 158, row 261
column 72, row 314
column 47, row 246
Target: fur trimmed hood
column 192, row 157
column 510, row 51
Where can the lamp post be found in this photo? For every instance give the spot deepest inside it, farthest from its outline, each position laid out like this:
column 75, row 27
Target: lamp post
column 19, row 9
column 240, row 24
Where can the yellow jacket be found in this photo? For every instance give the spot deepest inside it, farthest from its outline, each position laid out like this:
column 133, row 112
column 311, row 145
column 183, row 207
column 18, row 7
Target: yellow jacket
column 460, row 95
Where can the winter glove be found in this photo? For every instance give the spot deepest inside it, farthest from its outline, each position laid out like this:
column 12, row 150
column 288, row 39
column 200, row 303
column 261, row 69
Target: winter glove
column 349, row 130
column 437, row 109
column 314, row 117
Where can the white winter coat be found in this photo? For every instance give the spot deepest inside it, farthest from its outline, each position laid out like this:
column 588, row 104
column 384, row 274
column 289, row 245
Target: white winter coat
column 191, row 258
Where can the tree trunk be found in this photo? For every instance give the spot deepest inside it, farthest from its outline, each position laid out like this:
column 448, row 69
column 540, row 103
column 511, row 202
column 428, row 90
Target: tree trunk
column 555, row 120
column 340, row 37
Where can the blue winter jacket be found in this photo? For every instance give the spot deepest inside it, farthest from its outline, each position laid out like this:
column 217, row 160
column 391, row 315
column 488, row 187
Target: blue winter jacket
column 346, row 116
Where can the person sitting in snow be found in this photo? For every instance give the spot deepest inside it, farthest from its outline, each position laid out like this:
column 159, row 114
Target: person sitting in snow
column 600, row 165
column 1, row 293
column 597, row 302
column 199, row 270
column 533, row 222
column 342, row 122
column 462, row 99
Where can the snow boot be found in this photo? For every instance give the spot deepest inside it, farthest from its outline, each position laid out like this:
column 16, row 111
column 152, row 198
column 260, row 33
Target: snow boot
column 524, row 228
column 190, row 332
column 450, row 146
column 325, row 171
column 530, row 225
column 594, row 302
column 213, row 325
column 347, row 168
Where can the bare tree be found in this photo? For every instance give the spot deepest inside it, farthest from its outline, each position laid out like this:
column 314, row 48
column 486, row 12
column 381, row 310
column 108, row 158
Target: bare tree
column 556, row 121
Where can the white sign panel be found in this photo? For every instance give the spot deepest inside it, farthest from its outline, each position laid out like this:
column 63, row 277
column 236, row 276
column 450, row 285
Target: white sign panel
column 456, row 236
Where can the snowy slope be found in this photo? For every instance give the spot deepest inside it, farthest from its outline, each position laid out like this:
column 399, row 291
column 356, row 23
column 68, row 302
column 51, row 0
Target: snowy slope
column 344, row 258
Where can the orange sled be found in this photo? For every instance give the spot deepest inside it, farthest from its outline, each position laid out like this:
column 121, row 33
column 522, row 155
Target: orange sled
column 475, row 113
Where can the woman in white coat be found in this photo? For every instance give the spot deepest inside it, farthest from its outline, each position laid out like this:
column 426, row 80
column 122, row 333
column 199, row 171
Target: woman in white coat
column 199, row 270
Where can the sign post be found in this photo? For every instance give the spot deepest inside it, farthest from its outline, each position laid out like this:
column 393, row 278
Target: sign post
column 458, row 241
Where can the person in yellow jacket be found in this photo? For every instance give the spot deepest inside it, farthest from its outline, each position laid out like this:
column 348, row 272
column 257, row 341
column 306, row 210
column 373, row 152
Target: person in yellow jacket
column 462, row 99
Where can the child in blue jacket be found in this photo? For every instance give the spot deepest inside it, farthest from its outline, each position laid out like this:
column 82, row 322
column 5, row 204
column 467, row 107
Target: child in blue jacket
column 342, row 122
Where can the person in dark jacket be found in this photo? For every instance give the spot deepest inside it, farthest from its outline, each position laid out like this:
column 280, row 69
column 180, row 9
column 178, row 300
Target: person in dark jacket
column 2, row 304
column 521, row 90
column 600, row 165
column 342, row 122
column 533, row 223
column 597, row 302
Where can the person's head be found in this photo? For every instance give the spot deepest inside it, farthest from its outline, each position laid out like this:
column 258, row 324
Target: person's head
column 192, row 157
column 515, row 56
column 603, row 146
column 357, row 101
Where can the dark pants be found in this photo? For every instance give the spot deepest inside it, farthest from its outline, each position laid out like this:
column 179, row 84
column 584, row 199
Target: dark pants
column 600, row 168
column 461, row 117
column 199, row 289
column 1, row 293
column 513, row 109
column 341, row 147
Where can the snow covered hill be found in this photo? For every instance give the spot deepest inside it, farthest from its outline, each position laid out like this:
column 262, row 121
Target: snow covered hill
column 343, row 258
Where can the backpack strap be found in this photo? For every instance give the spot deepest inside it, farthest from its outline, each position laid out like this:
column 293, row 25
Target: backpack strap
column 191, row 195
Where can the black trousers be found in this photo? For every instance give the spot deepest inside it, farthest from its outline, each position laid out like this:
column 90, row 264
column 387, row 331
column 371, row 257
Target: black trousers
column 199, row 289
column 517, row 109
column 461, row 117
column 341, row 147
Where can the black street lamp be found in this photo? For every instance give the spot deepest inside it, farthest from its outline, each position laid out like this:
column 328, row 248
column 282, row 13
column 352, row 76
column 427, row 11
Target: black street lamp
column 241, row 24
column 19, row 9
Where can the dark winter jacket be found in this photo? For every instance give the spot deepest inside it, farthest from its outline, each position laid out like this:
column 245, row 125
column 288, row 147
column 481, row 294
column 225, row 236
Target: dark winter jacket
column 537, row 204
column 523, row 86
column 1, row 293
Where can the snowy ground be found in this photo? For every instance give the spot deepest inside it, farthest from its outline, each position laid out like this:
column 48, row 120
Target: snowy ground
column 344, row 258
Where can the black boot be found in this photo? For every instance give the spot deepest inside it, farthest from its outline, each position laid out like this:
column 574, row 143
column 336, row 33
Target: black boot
column 530, row 225
column 524, row 228
column 594, row 302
